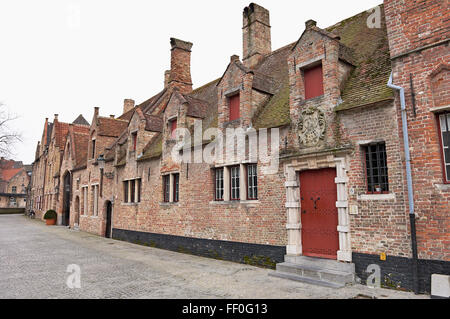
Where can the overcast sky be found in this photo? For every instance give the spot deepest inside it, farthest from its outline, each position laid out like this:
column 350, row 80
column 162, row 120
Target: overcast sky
column 67, row 56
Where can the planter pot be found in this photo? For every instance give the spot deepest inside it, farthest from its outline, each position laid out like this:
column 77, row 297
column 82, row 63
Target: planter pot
column 50, row 222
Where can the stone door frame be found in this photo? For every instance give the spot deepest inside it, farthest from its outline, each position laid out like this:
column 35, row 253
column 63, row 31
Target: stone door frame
column 293, row 203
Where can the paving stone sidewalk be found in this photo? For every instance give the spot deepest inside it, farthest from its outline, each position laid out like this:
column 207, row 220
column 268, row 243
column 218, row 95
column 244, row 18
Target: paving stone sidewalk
column 34, row 260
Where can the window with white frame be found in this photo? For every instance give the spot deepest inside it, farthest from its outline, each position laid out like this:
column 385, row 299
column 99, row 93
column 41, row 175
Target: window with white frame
column 235, row 173
column 171, row 188
column 132, row 191
column 444, row 124
column 176, row 188
column 220, row 187
column 235, row 183
column 84, row 200
column 252, row 182
column 94, row 189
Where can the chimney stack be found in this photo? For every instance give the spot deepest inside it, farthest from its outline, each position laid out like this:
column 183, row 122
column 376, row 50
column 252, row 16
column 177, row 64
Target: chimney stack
column 180, row 65
column 256, row 34
column 56, row 118
column 166, row 78
column 128, row 104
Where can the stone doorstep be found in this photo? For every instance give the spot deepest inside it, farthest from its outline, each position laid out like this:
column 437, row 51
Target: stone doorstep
column 322, row 272
column 321, row 263
column 306, row 280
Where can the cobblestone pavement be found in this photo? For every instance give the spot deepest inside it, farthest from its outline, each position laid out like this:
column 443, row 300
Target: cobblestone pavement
column 34, row 260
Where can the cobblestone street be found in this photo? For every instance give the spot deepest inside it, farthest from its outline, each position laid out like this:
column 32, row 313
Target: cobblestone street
column 34, row 260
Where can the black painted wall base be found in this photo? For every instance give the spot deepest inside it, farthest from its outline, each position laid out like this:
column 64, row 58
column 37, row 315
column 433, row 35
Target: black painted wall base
column 396, row 272
column 252, row 254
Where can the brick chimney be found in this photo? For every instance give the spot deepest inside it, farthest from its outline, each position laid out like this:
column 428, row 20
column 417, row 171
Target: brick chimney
column 166, row 78
column 128, row 105
column 256, row 34
column 180, row 65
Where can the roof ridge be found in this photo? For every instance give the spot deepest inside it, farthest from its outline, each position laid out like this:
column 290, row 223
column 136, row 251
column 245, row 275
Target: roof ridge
column 205, row 85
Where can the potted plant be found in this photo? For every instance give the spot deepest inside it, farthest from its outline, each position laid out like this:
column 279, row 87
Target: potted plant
column 50, row 217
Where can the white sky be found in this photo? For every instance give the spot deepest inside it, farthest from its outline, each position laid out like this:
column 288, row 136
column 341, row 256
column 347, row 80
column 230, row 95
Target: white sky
column 67, row 56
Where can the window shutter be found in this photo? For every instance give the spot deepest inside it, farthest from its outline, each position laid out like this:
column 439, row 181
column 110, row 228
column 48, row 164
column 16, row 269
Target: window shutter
column 234, row 105
column 173, row 127
column 313, row 82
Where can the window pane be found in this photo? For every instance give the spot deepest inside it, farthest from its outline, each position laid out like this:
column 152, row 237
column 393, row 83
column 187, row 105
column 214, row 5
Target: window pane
column 125, row 192
column 166, row 188
column 376, row 168
column 133, row 191
column 219, row 184
column 138, row 187
column 252, row 182
column 176, row 182
column 235, row 177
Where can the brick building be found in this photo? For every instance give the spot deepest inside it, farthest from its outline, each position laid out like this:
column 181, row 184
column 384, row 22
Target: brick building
column 338, row 197
column 14, row 181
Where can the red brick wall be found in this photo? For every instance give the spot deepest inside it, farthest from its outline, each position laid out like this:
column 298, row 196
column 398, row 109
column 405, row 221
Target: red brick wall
column 380, row 225
column 408, row 25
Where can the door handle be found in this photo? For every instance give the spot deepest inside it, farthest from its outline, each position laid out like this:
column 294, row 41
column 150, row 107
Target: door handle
column 315, row 202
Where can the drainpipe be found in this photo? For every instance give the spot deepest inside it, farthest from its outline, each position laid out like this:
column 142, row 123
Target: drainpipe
column 412, row 213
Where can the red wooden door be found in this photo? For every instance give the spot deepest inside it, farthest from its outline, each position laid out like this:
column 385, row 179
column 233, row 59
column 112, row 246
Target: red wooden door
column 319, row 214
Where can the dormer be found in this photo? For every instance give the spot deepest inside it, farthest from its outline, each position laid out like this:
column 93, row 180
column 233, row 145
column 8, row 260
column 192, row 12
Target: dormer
column 319, row 65
column 141, row 129
column 240, row 92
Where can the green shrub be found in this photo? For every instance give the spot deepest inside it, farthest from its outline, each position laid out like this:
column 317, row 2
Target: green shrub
column 50, row 214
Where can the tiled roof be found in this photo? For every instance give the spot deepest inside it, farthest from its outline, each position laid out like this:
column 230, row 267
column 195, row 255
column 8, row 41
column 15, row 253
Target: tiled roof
column 7, row 174
column 153, row 149
column 154, row 123
column 145, row 106
column 61, row 129
column 111, row 127
column 368, row 82
column 80, row 120
column 81, row 148
column 276, row 112
column 196, row 107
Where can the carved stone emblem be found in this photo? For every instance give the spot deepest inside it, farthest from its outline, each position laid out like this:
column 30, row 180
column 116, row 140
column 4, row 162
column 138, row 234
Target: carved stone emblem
column 311, row 126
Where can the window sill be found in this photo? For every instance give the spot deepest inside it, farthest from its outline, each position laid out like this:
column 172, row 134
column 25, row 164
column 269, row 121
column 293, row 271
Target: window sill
column 312, row 99
column 376, row 197
column 236, row 202
column 129, row 204
column 443, row 187
column 174, row 204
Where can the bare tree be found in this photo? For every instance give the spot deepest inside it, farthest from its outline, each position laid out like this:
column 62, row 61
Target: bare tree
column 8, row 136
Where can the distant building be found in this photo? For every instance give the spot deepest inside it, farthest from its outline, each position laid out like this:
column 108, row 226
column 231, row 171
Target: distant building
column 14, row 182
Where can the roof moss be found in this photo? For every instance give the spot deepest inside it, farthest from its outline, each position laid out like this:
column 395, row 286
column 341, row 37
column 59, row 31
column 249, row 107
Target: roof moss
column 276, row 112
